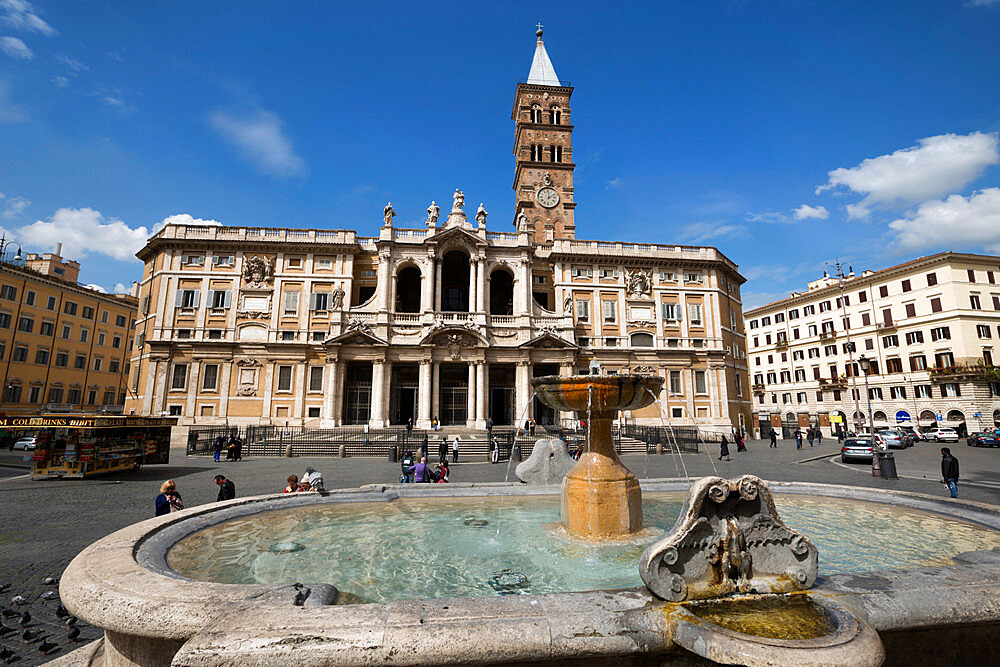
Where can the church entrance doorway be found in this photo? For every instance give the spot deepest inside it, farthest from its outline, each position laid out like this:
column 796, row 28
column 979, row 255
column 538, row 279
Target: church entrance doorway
column 501, row 394
column 454, row 393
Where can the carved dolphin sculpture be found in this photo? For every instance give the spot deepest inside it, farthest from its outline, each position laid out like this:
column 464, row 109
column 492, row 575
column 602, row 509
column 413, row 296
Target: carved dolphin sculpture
column 727, row 539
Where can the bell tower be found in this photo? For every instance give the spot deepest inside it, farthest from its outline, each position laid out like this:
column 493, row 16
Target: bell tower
column 543, row 152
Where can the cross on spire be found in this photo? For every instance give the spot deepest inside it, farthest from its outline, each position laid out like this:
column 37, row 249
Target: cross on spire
column 538, row 25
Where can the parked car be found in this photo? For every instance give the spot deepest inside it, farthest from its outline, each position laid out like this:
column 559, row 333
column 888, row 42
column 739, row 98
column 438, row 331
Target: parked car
column 855, row 449
column 944, row 435
column 983, row 440
column 26, row 444
column 894, row 439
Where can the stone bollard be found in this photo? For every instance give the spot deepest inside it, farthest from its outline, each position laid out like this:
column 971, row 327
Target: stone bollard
column 342, row 452
column 288, row 451
column 659, row 448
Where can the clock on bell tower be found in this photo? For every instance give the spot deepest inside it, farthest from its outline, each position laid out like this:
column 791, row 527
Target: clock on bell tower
column 543, row 152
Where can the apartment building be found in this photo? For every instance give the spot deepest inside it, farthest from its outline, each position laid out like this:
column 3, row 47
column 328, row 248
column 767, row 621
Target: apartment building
column 64, row 347
column 322, row 327
column 927, row 329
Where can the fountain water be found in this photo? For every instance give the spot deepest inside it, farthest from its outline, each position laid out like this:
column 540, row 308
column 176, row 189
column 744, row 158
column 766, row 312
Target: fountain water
column 600, row 496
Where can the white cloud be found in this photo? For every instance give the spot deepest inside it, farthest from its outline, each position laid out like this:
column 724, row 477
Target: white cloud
column 183, row 219
column 74, row 65
column 974, row 222
column 21, row 15
column 981, row 3
column 15, row 48
column 703, row 232
column 259, row 139
column 10, row 112
column 114, row 101
column 936, row 166
column 96, row 288
column 807, row 212
column 120, row 288
column 614, row 184
column 84, row 231
column 12, row 206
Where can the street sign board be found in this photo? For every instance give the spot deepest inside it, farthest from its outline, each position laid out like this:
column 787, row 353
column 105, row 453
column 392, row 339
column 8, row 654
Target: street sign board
column 940, row 417
column 978, row 415
column 902, row 416
column 837, row 419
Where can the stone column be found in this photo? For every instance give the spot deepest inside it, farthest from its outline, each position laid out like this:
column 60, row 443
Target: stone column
column 482, row 382
column 435, row 389
column 338, row 387
column 470, row 398
column 299, row 408
column 472, row 284
column 427, row 287
column 376, row 418
column 190, row 407
column 329, row 391
column 522, row 390
column 481, row 285
column 224, row 388
column 437, row 287
column 383, row 281
column 424, row 394
column 565, row 370
column 268, row 390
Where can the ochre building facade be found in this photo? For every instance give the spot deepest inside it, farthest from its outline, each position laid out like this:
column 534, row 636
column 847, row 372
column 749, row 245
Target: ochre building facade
column 64, row 347
column 318, row 327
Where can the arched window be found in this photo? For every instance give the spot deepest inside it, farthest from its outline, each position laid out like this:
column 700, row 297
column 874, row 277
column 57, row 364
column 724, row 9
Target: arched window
column 556, row 153
column 642, row 340
column 556, row 115
column 536, row 152
column 536, row 114
column 879, row 416
column 501, row 292
column 408, row 290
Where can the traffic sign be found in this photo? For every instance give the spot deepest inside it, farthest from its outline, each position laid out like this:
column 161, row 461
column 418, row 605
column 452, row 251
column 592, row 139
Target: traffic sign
column 940, row 417
column 902, row 416
column 977, row 415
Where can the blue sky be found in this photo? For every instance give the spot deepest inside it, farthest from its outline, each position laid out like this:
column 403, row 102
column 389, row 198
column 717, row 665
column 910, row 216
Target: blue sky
column 786, row 133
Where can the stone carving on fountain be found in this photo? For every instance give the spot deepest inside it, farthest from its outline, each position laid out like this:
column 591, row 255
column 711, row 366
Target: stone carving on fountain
column 548, row 464
column 728, row 539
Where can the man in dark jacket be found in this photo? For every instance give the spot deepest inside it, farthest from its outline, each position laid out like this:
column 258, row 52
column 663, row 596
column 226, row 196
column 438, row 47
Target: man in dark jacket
column 227, row 490
column 774, row 439
column 949, row 471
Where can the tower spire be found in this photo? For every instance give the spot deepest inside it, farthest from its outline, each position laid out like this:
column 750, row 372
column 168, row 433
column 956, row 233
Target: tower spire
column 542, row 72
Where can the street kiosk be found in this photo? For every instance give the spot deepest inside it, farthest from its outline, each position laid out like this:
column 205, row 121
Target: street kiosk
column 80, row 446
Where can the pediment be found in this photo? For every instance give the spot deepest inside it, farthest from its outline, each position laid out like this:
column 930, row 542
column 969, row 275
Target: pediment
column 456, row 233
column 455, row 335
column 549, row 341
column 358, row 337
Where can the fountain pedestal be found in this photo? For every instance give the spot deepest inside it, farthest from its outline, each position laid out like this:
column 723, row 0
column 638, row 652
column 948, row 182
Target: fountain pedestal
column 600, row 496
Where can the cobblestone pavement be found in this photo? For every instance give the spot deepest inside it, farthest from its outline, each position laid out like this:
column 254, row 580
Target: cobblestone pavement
column 44, row 524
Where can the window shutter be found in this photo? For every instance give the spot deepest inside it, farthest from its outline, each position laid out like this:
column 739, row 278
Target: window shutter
column 197, row 299
column 229, row 295
column 211, row 297
column 312, row 301
column 179, row 300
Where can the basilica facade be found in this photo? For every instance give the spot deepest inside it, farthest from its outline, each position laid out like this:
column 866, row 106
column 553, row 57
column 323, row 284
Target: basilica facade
column 325, row 328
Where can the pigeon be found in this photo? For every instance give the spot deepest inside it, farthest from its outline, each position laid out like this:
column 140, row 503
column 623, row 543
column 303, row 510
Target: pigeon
column 50, row 595
column 25, row 618
column 73, row 633
column 31, row 635
column 61, row 611
column 17, row 599
column 45, row 647
column 4, row 587
column 5, row 630
column 71, row 622
column 50, row 581
column 7, row 613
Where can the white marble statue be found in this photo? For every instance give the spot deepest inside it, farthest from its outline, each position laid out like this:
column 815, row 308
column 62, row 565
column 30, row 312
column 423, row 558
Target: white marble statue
column 481, row 216
column 459, row 201
column 433, row 211
column 388, row 214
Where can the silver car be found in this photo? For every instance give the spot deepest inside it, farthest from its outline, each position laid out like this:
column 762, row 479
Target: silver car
column 27, row 444
column 857, row 449
column 944, row 435
column 892, row 439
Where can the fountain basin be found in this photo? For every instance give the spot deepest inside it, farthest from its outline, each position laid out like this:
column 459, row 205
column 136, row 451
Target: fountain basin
column 153, row 616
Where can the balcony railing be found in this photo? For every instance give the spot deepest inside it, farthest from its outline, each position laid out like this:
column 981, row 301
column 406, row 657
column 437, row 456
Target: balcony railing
column 781, row 344
column 965, row 372
column 758, row 388
column 827, row 335
column 833, row 383
column 885, row 326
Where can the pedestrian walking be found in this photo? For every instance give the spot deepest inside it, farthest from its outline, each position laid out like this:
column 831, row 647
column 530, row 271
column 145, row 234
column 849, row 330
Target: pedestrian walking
column 949, row 471
column 435, row 423
column 494, row 451
column 819, row 437
column 724, row 449
column 774, row 439
column 454, row 449
column 489, row 427
column 810, row 436
column 409, row 427
column 527, row 427
column 218, row 446
column 443, row 449
column 169, row 500
column 531, row 423
column 798, row 438
column 231, row 447
column 238, row 449
column 741, row 445
column 227, row 490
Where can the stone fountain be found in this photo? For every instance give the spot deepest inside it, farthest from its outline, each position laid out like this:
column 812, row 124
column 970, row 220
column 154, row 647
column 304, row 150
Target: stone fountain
column 600, row 497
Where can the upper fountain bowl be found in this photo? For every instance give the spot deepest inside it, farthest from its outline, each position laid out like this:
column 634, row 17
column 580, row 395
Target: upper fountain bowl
column 598, row 393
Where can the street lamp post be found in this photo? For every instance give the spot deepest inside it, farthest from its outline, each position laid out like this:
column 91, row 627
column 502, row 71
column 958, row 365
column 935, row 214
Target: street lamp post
column 865, row 367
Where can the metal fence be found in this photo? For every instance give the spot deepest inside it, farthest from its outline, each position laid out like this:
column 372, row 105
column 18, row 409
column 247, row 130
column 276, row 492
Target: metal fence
column 685, row 438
